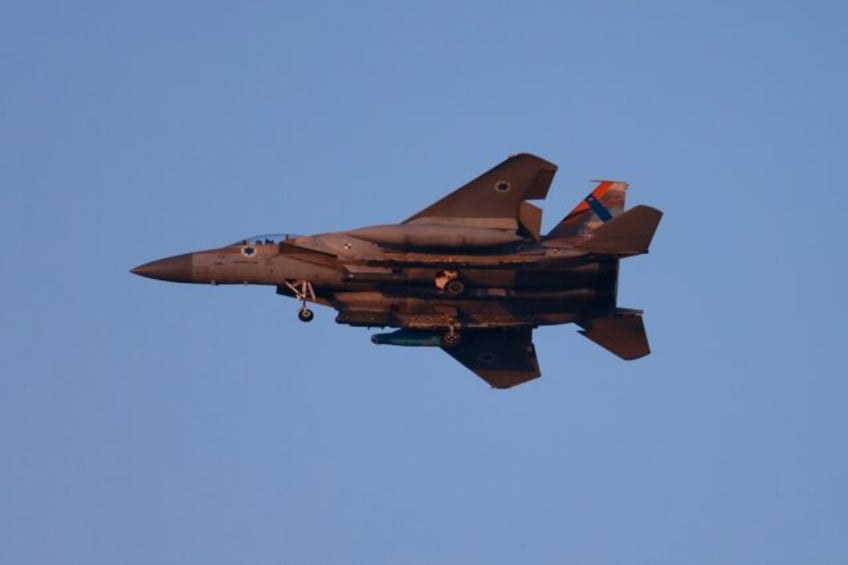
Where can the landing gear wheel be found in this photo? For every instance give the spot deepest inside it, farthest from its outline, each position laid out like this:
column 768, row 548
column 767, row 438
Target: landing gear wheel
column 305, row 315
column 454, row 287
column 304, row 292
column 451, row 339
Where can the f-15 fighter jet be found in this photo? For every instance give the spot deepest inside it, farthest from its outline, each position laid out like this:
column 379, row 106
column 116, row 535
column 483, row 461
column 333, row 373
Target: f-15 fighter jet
column 471, row 274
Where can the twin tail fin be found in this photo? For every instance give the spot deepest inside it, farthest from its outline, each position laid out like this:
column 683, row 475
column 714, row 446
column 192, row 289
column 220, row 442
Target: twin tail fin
column 599, row 224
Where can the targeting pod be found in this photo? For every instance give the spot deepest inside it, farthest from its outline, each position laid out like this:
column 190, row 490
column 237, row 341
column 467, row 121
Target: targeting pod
column 409, row 338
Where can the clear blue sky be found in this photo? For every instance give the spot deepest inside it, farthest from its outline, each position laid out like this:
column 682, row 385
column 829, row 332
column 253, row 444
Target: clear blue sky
column 144, row 422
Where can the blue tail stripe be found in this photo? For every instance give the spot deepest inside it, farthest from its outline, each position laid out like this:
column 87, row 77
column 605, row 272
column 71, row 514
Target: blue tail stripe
column 598, row 208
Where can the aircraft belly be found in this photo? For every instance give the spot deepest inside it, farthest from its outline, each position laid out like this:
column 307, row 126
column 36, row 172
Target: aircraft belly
column 378, row 309
column 587, row 275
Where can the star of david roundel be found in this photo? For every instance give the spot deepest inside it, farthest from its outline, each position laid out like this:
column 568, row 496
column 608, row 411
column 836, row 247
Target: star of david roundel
column 502, row 186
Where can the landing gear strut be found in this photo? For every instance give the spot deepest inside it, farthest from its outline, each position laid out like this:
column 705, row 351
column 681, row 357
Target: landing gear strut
column 451, row 339
column 304, row 292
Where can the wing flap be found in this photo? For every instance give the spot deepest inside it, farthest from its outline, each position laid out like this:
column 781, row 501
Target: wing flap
column 502, row 358
column 530, row 220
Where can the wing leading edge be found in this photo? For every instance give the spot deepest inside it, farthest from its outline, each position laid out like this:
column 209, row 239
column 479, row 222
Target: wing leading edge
column 495, row 195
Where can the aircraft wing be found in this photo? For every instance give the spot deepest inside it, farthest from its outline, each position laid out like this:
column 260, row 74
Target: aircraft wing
column 495, row 195
column 502, row 358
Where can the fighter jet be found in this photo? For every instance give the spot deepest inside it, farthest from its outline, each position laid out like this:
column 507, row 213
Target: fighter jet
column 471, row 274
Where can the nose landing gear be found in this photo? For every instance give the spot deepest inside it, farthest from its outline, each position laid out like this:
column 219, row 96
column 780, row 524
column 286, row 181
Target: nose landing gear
column 304, row 292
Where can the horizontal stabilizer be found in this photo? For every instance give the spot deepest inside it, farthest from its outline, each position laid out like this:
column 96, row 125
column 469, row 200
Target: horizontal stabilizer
column 628, row 234
column 622, row 334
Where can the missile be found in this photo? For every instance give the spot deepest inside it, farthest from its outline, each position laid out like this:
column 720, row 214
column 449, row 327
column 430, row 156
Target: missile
column 409, row 338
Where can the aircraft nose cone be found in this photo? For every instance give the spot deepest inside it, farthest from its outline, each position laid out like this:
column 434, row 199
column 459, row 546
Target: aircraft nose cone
column 174, row 269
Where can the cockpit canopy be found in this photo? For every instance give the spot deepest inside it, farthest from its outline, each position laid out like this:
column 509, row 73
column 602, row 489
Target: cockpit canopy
column 266, row 239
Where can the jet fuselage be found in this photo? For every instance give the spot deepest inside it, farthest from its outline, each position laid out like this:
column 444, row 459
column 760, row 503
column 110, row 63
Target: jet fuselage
column 471, row 273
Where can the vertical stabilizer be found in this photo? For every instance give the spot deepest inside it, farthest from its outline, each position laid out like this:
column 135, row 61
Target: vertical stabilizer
column 604, row 203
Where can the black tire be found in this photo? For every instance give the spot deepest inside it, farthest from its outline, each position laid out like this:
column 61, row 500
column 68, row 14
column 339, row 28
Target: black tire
column 305, row 315
column 454, row 287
